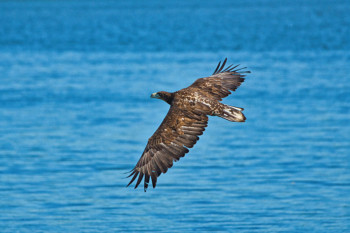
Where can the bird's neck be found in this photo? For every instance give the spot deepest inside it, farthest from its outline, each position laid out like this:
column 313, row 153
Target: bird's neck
column 168, row 97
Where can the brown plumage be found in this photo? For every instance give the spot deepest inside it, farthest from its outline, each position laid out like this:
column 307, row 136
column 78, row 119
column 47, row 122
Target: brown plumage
column 186, row 120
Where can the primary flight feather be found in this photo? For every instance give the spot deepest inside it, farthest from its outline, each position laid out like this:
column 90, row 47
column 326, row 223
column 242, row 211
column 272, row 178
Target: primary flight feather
column 186, row 120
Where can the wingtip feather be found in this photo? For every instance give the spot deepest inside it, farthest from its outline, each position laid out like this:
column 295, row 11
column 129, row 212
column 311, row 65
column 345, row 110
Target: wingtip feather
column 132, row 173
column 139, row 180
column 133, row 178
column 220, row 68
column 145, row 185
column 217, row 67
column 154, row 179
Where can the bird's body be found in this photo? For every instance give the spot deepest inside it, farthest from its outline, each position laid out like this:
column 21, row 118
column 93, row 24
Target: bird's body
column 186, row 120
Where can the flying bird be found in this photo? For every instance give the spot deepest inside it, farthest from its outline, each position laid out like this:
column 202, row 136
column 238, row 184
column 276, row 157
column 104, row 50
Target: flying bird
column 186, row 120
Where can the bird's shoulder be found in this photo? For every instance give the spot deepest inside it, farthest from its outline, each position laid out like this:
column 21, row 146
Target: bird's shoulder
column 188, row 96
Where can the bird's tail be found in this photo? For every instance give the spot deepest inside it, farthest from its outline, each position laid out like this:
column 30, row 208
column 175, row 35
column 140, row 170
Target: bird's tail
column 231, row 113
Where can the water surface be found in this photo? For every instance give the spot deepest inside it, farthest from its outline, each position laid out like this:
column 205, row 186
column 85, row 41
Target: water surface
column 75, row 115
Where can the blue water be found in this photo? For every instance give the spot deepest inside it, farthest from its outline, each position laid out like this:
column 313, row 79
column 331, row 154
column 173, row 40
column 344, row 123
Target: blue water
column 75, row 115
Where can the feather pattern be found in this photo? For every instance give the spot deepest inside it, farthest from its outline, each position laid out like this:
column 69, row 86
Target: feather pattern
column 185, row 121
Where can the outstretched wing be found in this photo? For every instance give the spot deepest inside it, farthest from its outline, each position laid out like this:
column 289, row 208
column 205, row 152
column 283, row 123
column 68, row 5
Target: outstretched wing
column 222, row 81
column 178, row 132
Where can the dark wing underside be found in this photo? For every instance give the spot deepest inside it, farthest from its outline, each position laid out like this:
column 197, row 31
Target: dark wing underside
column 221, row 83
column 178, row 132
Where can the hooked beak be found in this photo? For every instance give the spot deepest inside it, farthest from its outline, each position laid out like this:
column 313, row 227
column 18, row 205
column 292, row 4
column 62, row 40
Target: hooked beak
column 154, row 95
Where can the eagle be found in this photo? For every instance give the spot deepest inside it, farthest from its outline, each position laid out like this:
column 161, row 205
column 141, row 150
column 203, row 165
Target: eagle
column 186, row 120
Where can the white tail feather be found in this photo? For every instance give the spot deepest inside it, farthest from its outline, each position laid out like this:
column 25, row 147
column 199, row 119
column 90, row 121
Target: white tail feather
column 231, row 113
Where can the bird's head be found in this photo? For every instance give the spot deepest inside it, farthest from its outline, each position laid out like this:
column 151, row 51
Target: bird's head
column 163, row 95
column 156, row 95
